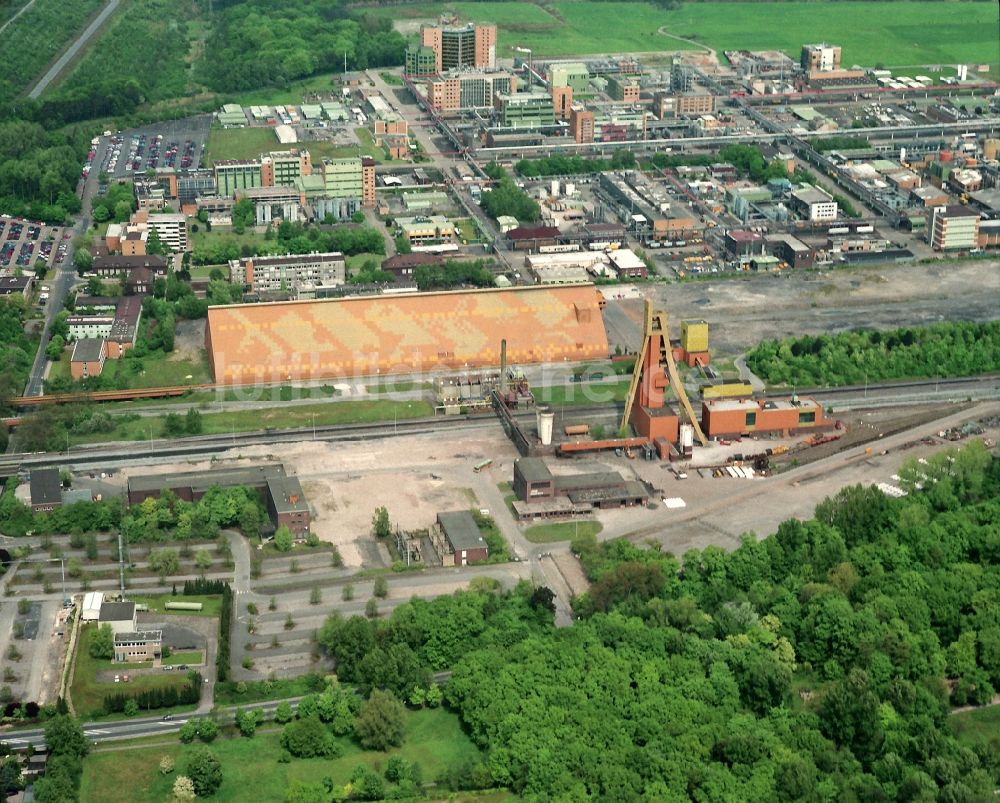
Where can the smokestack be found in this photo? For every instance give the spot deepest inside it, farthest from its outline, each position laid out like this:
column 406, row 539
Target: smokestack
column 503, row 365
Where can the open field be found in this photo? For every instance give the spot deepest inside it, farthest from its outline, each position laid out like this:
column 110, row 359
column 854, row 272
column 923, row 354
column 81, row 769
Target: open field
column 434, row 739
column 561, row 531
column 211, row 604
column 913, row 33
column 978, row 727
column 248, row 143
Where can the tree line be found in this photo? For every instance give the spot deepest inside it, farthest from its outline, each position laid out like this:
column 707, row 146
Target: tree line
column 850, row 358
column 150, row 699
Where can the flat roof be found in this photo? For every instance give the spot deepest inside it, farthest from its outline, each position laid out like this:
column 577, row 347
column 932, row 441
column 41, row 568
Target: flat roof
column 287, row 495
column 811, row 195
column 461, row 530
column 46, row 486
column 572, row 483
column 400, row 334
column 88, row 349
column 533, row 469
column 253, row 475
column 117, row 611
column 295, row 259
column 138, row 635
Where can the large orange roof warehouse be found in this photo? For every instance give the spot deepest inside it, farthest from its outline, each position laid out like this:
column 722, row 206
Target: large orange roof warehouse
column 250, row 343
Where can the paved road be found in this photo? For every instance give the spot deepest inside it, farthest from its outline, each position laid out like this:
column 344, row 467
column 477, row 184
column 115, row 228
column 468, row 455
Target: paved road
column 73, row 49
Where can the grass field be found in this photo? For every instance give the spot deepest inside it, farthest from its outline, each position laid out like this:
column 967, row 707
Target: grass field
column 979, row 727
column 88, row 695
column 912, row 33
column 248, row 143
column 211, row 605
column 561, row 531
column 434, row 739
column 584, row 393
column 191, row 658
column 158, row 370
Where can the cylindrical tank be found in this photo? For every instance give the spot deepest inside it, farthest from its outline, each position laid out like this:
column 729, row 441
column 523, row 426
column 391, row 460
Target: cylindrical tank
column 554, row 189
column 902, row 154
column 570, row 189
column 687, row 438
column 577, row 429
column 544, row 418
column 991, row 149
column 945, row 155
column 542, row 193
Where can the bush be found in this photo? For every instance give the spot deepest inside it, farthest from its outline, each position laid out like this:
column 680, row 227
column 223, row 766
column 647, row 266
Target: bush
column 309, row 738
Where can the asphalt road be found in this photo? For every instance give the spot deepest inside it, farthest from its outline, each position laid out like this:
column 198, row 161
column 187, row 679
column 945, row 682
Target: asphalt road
column 73, row 49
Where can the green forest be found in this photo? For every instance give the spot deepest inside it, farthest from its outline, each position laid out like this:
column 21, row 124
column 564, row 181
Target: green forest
column 819, row 664
column 850, row 358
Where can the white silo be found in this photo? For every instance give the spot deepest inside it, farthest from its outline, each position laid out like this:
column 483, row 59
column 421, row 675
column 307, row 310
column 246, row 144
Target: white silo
column 570, row 188
column 544, row 419
column 554, row 188
column 687, row 439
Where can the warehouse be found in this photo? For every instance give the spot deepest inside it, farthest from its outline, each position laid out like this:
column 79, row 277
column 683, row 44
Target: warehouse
column 403, row 334
column 732, row 417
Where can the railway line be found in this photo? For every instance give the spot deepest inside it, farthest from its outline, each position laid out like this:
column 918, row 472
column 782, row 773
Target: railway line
column 905, row 392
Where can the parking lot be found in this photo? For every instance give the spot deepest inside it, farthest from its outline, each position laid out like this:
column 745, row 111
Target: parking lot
column 177, row 143
column 23, row 243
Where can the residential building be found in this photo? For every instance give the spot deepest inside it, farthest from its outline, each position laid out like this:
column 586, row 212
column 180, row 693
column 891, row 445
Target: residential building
column 16, row 284
column 460, row 91
column 471, row 45
column 525, row 110
column 289, row 272
column 138, row 646
column 820, row 58
column 462, row 537
column 89, row 326
column 125, row 328
column 624, row 88
column 420, row 60
column 953, row 228
column 581, row 123
column 139, row 282
column 171, row 229
column 237, row 174
column 116, row 266
column 813, row 203
column 46, row 490
column 281, row 168
column 286, row 504
column 89, row 354
column 135, row 242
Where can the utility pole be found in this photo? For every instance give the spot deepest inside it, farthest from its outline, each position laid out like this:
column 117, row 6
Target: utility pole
column 121, row 563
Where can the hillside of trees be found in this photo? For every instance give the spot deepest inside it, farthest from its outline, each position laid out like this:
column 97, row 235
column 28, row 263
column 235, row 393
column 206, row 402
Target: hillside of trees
column 16, row 351
column 819, row 664
column 850, row 358
column 39, row 170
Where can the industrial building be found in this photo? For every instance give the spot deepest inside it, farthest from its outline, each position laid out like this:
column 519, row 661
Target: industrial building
column 525, row 110
column 954, row 228
column 463, row 91
column 541, row 494
column 463, row 540
column 46, row 490
column 138, row 645
column 813, row 203
column 273, row 203
column 268, row 273
column 286, row 503
column 422, row 332
column 723, row 418
column 237, row 174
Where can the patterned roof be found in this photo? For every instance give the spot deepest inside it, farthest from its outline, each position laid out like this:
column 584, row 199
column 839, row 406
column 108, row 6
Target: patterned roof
column 348, row 337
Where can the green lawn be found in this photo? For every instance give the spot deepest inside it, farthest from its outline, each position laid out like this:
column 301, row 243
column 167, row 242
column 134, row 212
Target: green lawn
column 211, row 604
column 239, row 143
column 191, row 658
column 979, row 727
column 561, row 531
column 912, row 33
column 355, row 261
column 223, row 236
column 434, row 739
column 88, row 695
column 584, row 393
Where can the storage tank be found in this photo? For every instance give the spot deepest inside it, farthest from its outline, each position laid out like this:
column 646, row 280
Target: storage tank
column 902, row 154
column 577, row 429
column 554, row 191
column 544, row 418
column 687, row 439
column 571, row 188
column 945, row 156
column 991, row 149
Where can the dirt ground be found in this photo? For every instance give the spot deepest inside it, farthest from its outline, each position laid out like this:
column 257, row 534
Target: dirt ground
column 189, row 340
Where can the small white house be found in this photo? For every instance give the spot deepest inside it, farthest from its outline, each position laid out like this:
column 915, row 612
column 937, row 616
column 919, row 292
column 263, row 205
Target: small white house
column 92, row 602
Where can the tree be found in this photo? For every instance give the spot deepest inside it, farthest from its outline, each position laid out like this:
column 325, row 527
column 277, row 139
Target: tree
column 247, row 722
column 83, row 260
column 381, row 722
column 283, row 539
column 102, row 643
column 381, row 587
column 202, row 559
column 371, row 608
column 347, row 594
column 183, row 788
column 308, row 738
column 164, row 562
column 302, row 792
column 55, row 348
column 380, row 523
column 283, row 713
column 315, row 596
column 205, row 771
column 154, row 245
column 193, row 424
column 173, row 425
column 64, row 736
column 208, row 729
